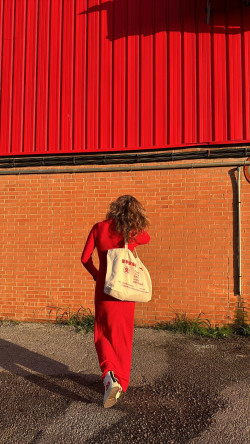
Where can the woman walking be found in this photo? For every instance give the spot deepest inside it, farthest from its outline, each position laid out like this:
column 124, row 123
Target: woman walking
column 114, row 320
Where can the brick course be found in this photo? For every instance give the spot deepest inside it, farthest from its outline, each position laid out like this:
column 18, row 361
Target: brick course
column 192, row 256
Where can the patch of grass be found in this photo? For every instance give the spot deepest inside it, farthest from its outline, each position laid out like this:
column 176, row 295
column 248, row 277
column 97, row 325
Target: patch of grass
column 7, row 321
column 201, row 327
column 83, row 319
column 240, row 325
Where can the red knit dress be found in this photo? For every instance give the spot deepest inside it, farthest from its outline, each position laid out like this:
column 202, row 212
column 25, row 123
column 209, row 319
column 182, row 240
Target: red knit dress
column 114, row 319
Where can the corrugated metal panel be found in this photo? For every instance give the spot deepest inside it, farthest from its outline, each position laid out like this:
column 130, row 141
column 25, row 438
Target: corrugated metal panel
column 91, row 75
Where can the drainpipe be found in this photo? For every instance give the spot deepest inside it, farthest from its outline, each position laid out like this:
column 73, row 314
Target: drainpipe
column 129, row 168
column 239, row 226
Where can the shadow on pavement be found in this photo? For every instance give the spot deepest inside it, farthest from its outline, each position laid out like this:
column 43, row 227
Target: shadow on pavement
column 42, row 402
column 45, row 372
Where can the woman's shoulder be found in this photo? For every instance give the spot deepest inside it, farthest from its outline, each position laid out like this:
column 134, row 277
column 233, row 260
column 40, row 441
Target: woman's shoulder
column 103, row 225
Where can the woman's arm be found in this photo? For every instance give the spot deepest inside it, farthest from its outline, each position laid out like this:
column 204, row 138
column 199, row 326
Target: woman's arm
column 86, row 257
column 142, row 238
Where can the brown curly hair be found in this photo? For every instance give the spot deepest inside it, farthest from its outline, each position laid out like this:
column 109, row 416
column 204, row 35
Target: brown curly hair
column 129, row 216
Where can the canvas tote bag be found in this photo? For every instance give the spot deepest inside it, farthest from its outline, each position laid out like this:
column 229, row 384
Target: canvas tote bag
column 127, row 278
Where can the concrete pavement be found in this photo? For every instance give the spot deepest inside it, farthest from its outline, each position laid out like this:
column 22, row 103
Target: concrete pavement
column 182, row 390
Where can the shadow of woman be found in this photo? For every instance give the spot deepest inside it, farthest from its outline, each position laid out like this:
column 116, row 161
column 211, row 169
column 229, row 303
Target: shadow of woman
column 48, row 373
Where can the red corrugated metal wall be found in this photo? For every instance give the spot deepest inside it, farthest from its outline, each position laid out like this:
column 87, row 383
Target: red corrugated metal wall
column 91, row 75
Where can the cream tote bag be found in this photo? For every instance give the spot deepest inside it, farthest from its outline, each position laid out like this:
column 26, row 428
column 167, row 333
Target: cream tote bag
column 127, row 278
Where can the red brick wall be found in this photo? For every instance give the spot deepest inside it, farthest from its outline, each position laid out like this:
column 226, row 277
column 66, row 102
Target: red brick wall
column 192, row 256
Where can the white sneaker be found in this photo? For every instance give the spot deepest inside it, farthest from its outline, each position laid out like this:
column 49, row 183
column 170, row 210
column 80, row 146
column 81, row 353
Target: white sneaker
column 112, row 390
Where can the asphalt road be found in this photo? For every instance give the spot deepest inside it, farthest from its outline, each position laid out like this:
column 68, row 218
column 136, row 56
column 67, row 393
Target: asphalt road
column 182, row 390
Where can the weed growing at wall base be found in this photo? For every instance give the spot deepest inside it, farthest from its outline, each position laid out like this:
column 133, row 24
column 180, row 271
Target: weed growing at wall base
column 202, row 327
column 83, row 319
column 240, row 325
column 7, row 322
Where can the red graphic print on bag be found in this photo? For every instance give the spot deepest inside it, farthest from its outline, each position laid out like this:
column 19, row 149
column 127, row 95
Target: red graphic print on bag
column 124, row 261
column 126, row 270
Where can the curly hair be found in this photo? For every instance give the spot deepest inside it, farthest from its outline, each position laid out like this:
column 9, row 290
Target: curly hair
column 129, row 216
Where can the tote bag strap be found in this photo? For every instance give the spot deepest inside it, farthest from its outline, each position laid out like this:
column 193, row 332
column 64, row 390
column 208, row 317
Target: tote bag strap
column 134, row 252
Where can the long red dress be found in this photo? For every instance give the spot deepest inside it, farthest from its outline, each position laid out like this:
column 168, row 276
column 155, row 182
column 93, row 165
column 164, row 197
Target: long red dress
column 114, row 319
